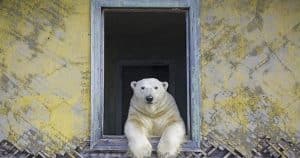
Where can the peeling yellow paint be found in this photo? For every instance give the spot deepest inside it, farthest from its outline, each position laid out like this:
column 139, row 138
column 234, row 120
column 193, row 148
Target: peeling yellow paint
column 44, row 54
column 251, row 84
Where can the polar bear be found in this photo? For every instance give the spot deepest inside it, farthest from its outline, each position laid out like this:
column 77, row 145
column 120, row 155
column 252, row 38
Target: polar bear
column 153, row 112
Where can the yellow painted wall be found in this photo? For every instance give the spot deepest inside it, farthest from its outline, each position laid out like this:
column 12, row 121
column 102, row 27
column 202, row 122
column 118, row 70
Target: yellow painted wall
column 250, row 72
column 45, row 73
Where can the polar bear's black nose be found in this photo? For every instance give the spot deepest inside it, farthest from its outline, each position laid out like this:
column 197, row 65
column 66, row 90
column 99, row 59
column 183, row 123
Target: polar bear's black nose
column 149, row 99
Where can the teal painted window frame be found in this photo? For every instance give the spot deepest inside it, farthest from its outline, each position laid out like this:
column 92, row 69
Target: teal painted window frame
column 100, row 142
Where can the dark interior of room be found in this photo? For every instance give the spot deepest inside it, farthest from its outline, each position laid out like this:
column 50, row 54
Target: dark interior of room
column 142, row 45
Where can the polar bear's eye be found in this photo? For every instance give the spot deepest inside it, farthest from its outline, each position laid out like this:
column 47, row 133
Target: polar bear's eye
column 143, row 87
column 155, row 87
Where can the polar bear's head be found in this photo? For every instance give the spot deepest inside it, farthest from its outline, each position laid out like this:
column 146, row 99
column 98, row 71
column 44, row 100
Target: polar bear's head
column 149, row 90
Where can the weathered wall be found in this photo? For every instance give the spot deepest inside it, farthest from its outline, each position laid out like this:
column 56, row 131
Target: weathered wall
column 250, row 72
column 44, row 73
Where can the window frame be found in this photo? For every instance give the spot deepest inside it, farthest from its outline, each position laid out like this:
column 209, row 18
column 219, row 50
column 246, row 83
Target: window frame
column 118, row 143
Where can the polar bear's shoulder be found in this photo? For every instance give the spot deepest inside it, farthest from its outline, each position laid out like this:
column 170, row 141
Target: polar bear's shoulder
column 170, row 99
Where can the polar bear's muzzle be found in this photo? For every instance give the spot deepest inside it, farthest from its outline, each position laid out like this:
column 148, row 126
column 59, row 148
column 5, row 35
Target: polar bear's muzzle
column 149, row 99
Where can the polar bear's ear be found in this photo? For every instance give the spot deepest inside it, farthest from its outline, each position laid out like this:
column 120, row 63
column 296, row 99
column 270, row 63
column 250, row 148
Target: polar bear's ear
column 133, row 84
column 165, row 85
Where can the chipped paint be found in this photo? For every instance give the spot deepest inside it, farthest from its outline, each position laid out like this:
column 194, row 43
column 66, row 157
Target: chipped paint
column 250, row 72
column 44, row 73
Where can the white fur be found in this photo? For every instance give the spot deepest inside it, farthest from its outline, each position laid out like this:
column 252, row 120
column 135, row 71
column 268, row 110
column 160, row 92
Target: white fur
column 160, row 118
column 170, row 141
column 137, row 141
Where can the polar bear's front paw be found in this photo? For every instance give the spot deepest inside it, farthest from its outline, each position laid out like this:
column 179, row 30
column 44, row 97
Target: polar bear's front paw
column 141, row 149
column 167, row 150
